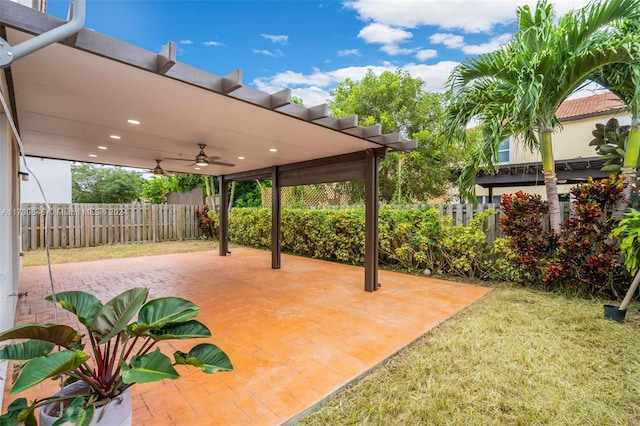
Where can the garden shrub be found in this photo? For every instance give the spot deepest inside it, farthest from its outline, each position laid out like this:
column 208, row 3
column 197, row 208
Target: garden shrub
column 500, row 264
column 250, row 226
column 582, row 259
column 345, row 235
column 305, row 232
column 585, row 258
column 409, row 237
column 462, row 249
column 523, row 219
column 207, row 222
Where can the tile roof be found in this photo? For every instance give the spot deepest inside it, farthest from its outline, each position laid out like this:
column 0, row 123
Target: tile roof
column 592, row 105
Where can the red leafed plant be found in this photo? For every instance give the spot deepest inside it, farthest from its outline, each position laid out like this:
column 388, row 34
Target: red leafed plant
column 523, row 224
column 586, row 256
column 582, row 258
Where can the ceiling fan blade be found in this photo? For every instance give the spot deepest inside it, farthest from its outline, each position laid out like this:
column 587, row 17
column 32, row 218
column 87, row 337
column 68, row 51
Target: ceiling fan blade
column 220, row 163
column 178, row 159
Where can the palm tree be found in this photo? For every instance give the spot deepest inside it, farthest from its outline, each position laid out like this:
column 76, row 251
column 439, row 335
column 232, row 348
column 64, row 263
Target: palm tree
column 624, row 80
column 517, row 89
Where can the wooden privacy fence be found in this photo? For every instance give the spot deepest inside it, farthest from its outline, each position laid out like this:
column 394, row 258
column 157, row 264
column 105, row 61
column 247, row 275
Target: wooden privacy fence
column 86, row 225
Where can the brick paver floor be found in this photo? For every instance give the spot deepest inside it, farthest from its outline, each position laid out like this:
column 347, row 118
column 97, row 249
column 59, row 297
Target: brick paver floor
column 295, row 335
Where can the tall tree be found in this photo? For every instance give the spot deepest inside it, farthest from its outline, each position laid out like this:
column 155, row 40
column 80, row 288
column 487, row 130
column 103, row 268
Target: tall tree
column 155, row 190
column 399, row 103
column 103, row 184
column 517, row 89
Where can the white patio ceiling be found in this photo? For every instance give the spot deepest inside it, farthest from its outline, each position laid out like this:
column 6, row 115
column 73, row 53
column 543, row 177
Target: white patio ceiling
column 70, row 99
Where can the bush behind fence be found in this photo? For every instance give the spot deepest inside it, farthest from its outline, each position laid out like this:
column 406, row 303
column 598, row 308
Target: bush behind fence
column 86, row 225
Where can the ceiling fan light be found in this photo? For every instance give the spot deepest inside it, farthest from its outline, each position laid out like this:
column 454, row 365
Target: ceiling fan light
column 157, row 170
column 201, row 160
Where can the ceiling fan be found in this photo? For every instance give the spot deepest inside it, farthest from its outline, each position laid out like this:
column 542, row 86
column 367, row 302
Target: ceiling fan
column 202, row 160
column 159, row 171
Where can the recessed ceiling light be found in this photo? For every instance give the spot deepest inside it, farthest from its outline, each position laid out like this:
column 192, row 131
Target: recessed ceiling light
column 132, row 121
column 197, row 168
column 102, row 147
column 273, row 150
column 115, row 137
column 92, row 155
column 240, row 158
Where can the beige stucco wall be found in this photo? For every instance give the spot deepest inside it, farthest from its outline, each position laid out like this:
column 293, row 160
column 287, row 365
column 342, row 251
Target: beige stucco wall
column 571, row 141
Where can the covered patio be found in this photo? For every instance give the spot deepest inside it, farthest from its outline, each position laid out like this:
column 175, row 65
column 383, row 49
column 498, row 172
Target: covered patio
column 295, row 335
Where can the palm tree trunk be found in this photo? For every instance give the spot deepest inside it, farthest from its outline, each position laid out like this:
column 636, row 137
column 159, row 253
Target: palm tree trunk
column 550, row 180
column 630, row 292
column 629, row 167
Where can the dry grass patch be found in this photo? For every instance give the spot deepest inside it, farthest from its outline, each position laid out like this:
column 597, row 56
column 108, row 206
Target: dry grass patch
column 516, row 357
column 116, row 251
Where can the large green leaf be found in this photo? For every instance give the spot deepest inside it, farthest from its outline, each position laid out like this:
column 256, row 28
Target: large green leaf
column 39, row 369
column 166, row 310
column 18, row 412
column 62, row 335
column 184, row 330
column 83, row 305
column 115, row 315
column 149, row 368
column 26, row 350
column 76, row 414
column 207, row 357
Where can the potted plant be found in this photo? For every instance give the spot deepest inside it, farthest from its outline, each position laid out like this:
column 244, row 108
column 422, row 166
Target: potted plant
column 118, row 350
column 629, row 231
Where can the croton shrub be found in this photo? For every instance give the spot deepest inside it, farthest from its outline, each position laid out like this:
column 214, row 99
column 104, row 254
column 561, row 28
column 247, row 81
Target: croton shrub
column 583, row 258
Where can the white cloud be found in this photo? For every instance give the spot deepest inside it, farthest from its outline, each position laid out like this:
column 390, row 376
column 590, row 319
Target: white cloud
column 472, row 16
column 185, row 42
column 212, row 43
column 383, row 34
column 314, row 88
column 426, row 54
column 271, row 53
column 312, row 95
column 394, row 50
column 387, row 36
column 349, row 52
column 452, row 41
column 493, row 44
column 282, row 39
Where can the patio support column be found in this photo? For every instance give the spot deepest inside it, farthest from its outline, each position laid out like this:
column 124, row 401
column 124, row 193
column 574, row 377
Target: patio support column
column 371, row 222
column 223, row 231
column 276, row 219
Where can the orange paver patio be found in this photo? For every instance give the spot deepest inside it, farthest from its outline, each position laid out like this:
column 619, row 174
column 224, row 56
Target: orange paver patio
column 295, row 335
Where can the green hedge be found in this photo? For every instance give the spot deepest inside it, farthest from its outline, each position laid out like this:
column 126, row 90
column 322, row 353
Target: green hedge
column 411, row 239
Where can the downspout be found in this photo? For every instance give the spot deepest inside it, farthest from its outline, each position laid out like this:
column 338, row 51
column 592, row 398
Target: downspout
column 9, row 54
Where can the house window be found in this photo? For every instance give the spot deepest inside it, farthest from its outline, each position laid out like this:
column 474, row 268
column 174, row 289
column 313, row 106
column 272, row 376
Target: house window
column 504, row 151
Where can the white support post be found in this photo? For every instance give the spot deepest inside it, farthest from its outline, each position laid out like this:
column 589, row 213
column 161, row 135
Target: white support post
column 9, row 234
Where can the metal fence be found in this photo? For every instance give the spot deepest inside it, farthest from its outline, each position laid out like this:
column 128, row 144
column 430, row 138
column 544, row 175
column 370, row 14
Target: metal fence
column 86, row 225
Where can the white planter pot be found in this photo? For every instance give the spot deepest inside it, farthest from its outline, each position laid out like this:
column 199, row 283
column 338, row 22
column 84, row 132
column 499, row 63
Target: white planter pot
column 118, row 411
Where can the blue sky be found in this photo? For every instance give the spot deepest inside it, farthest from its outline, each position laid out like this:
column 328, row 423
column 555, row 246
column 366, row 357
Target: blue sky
column 308, row 45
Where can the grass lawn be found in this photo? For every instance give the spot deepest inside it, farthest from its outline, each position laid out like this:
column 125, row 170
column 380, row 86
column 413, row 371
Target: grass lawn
column 516, row 357
column 116, row 251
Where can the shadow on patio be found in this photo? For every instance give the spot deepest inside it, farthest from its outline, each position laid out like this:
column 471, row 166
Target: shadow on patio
column 294, row 335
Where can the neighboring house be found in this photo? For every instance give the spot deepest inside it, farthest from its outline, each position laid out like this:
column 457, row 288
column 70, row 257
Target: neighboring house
column 54, row 177
column 521, row 170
